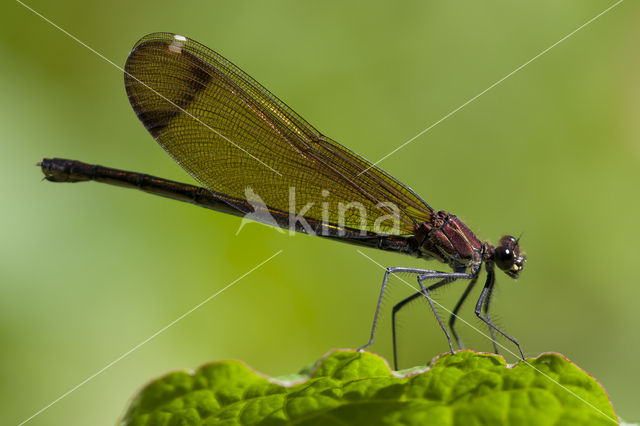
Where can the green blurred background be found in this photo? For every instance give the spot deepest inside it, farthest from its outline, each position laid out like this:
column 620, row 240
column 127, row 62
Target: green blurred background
column 89, row 271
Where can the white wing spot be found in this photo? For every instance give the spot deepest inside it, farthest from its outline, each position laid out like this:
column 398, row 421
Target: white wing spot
column 177, row 44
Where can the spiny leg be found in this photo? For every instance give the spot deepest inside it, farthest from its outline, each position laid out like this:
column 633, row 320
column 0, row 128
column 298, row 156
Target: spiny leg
column 394, row 311
column 454, row 313
column 391, row 270
column 398, row 306
column 433, row 308
column 395, row 270
column 485, row 307
column 486, row 292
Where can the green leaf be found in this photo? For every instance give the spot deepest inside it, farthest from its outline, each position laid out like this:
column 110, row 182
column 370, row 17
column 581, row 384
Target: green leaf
column 354, row 388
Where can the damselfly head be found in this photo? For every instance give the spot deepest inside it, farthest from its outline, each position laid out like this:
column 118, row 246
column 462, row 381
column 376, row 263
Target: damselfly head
column 507, row 256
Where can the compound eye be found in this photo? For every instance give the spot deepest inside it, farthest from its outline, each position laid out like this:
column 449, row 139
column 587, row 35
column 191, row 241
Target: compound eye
column 504, row 258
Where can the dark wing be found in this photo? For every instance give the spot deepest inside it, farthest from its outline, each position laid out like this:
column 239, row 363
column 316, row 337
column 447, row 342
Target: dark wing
column 235, row 137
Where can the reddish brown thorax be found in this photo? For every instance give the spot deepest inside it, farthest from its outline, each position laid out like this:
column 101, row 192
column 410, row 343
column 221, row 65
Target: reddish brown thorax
column 448, row 239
